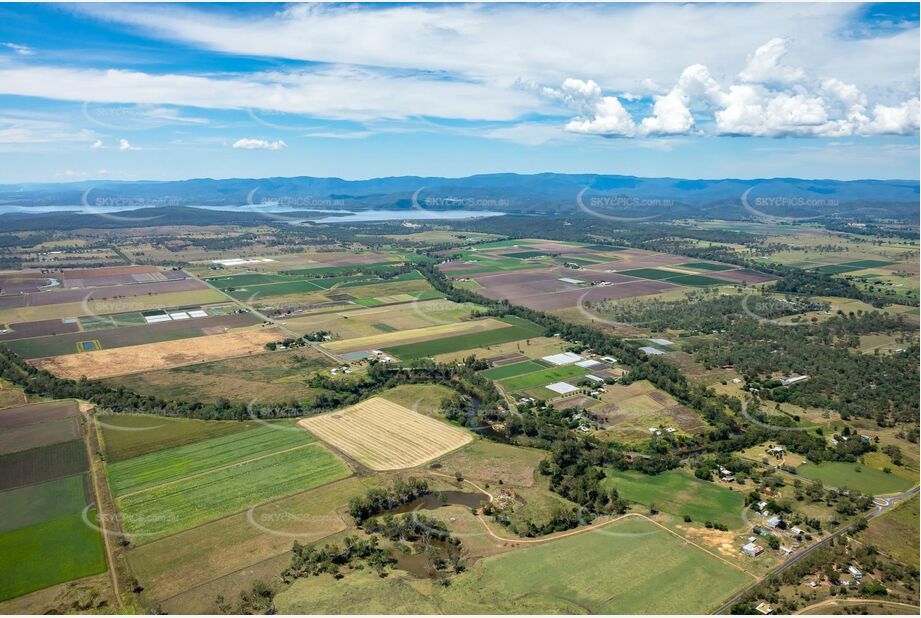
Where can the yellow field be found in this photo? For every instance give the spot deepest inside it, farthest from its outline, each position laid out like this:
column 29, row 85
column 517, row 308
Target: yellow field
column 102, row 307
column 415, row 334
column 384, row 435
column 149, row 356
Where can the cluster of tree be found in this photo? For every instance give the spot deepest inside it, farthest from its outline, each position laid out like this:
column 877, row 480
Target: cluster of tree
column 704, row 312
column 381, row 499
column 259, row 600
column 298, row 342
column 849, row 382
column 311, row 560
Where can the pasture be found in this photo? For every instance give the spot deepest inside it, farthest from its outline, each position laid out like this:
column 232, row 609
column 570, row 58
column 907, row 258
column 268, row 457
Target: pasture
column 863, row 478
column 383, row 435
column 182, row 561
column 680, row 494
column 270, row 377
column 896, row 532
column 636, row 568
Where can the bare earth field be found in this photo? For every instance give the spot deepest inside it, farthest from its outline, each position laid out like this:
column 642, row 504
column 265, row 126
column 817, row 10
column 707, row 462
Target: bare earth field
column 150, row 356
column 414, row 335
column 386, row 436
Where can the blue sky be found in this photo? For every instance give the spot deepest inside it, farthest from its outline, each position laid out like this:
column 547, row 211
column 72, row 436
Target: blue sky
column 173, row 91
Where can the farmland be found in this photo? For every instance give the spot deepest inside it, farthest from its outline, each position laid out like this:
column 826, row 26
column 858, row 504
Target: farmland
column 44, row 494
column 383, row 435
column 639, row 568
column 119, row 361
column 185, row 502
column 269, row 377
column 169, row 465
column 863, row 478
column 517, row 330
column 542, row 377
column 896, row 532
column 171, row 489
column 132, row 435
column 680, row 494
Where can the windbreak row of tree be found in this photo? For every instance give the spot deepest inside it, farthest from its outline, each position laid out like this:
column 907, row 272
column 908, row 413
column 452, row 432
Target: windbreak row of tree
column 336, row 392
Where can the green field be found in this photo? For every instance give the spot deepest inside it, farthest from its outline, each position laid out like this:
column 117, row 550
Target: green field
column 171, row 464
column 896, row 532
column 706, row 266
column 515, row 369
column 49, row 553
column 519, row 329
column 523, row 255
column 131, row 435
column 842, row 474
column 542, row 377
column 252, row 293
column 680, row 494
column 34, row 504
column 636, row 567
column 847, row 267
column 655, row 274
column 168, row 508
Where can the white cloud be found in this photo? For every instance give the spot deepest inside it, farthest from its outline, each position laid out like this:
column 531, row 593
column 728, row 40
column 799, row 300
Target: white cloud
column 764, row 66
column 259, row 144
column 772, row 100
column 22, row 50
column 124, row 144
column 97, row 145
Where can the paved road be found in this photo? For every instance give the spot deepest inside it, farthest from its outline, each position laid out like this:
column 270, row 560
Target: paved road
column 884, row 504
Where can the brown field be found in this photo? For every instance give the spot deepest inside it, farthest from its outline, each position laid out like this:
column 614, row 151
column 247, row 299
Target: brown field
column 82, row 273
column 386, row 436
column 40, row 328
column 112, row 292
column 150, row 356
column 37, row 413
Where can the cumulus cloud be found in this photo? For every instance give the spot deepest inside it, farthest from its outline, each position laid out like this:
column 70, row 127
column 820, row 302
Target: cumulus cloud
column 97, row 145
column 764, row 67
column 770, row 100
column 259, row 144
column 124, row 144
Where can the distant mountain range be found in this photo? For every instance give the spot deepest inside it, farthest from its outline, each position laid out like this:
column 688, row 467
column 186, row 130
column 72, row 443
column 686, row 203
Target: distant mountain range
column 510, row 193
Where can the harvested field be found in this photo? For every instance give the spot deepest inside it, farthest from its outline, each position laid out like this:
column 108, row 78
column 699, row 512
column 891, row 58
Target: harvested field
column 108, row 338
column 37, row 413
column 21, row 313
column 42, row 464
column 575, row 402
column 106, row 271
column 413, row 335
column 57, row 297
column 39, row 434
column 386, row 436
column 120, row 361
column 20, row 330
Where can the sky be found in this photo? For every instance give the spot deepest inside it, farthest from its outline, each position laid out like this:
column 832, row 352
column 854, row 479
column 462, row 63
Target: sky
column 173, row 91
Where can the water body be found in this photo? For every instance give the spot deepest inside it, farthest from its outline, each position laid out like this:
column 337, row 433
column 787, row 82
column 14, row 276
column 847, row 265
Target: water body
column 293, row 215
